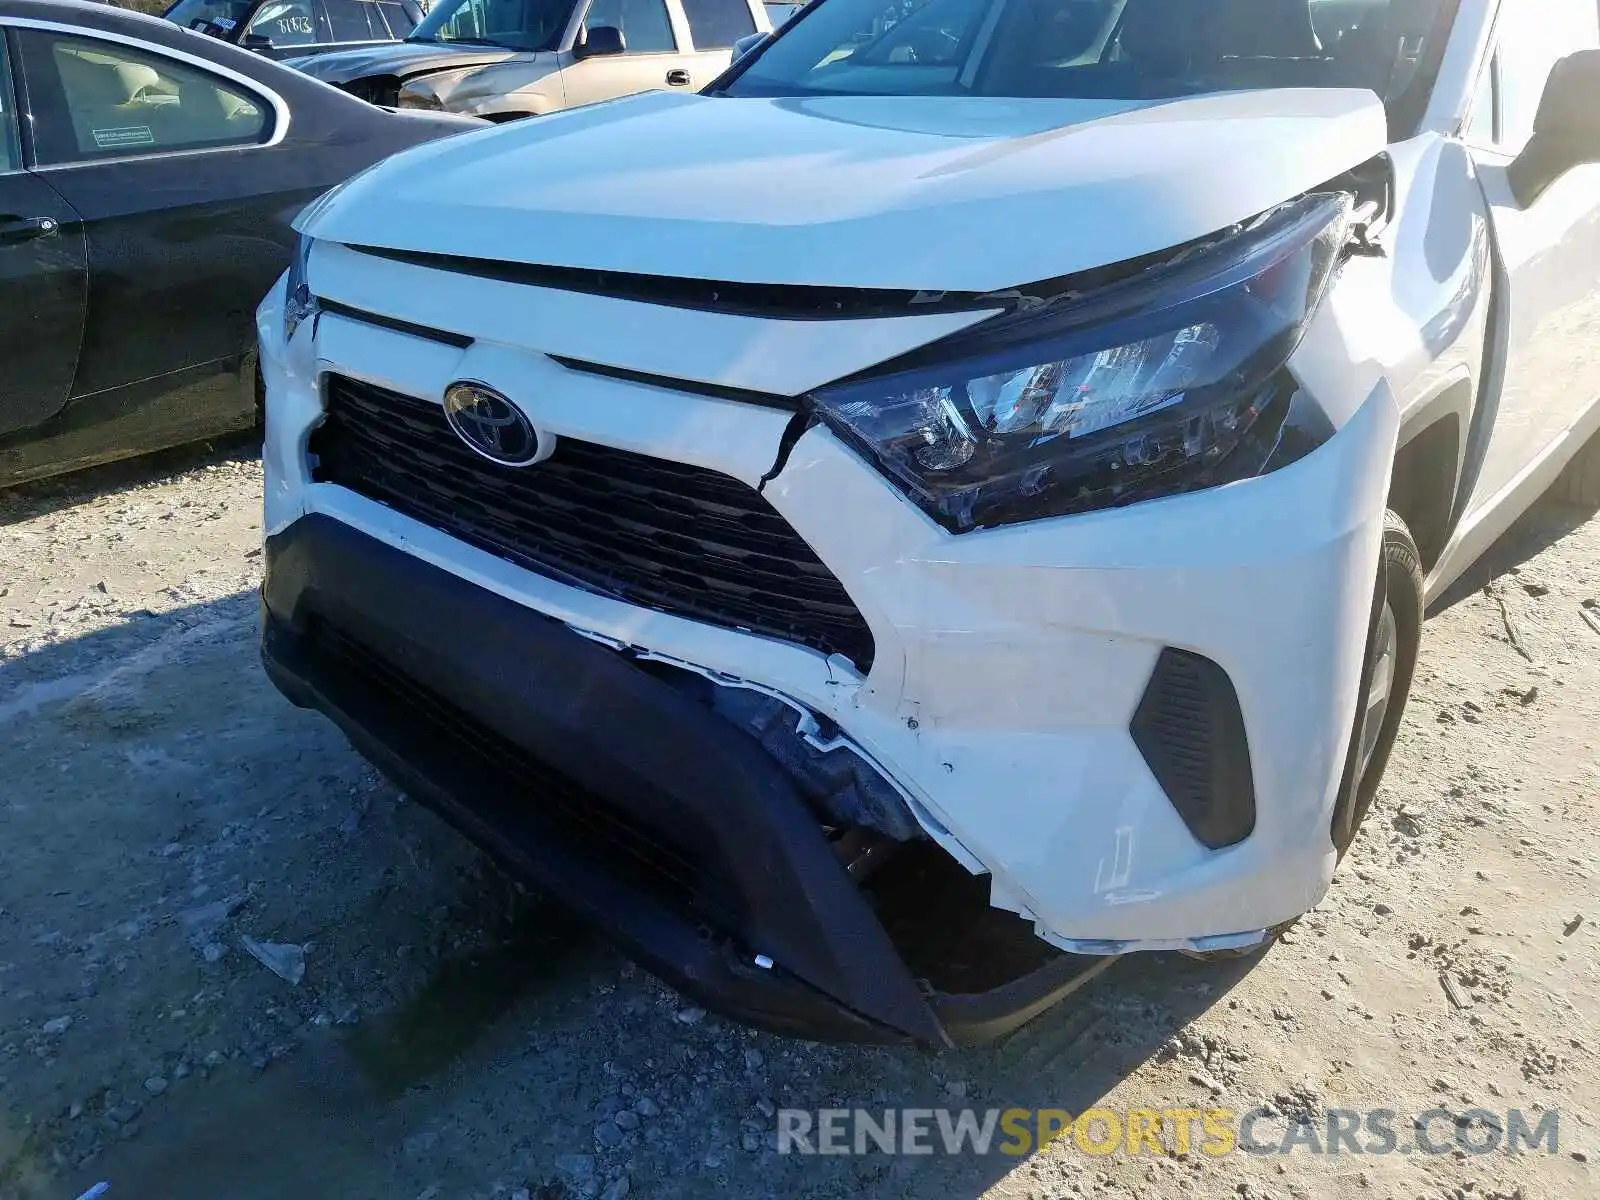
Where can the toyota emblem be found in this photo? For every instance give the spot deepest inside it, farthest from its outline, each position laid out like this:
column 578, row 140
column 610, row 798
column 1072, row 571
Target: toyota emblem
column 492, row 426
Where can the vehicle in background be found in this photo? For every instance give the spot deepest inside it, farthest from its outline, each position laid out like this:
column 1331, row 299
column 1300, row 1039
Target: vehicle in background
column 504, row 59
column 295, row 28
column 148, row 179
column 954, row 501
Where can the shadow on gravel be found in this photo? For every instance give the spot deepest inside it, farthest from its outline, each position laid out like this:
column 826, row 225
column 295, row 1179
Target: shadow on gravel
column 464, row 999
column 1536, row 530
column 1071, row 1058
column 62, row 491
column 161, row 802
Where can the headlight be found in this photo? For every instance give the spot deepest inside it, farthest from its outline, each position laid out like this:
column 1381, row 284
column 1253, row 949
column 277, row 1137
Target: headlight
column 419, row 96
column 1152, row 385
column 298, row 302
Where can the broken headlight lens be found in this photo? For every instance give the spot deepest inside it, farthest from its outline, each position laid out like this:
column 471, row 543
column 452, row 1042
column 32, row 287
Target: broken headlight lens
column 419, row 95
column 1168, row 381
column 298, row 302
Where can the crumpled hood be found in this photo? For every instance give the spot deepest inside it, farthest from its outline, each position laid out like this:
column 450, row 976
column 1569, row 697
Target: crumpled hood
column 401, row 59
column 957, row 194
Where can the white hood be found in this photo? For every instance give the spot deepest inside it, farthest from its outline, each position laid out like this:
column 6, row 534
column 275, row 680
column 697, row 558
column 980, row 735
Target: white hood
column 955, row 194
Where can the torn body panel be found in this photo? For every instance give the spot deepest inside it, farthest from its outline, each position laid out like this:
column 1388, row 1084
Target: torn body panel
column 839, row 781
column 632, row 800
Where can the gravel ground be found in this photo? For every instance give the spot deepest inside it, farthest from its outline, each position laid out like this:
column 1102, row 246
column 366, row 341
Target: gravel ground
column 454, row 1037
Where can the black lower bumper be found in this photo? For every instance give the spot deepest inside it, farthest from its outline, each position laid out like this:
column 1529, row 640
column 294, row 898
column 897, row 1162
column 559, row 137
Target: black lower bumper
column 641, row 808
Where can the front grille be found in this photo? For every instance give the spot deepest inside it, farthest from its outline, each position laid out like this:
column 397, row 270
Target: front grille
column 517, row 791
column 663, row 535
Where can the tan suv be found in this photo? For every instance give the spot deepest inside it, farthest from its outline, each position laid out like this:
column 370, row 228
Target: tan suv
column 504, row 59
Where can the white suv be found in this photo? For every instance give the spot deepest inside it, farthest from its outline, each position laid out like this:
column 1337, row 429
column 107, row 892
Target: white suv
column 952, row 503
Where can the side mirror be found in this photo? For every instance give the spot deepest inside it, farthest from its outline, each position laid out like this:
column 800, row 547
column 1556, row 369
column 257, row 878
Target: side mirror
column 1566, row 131
column 599, row 42
column 748, row 43
column 256, row 41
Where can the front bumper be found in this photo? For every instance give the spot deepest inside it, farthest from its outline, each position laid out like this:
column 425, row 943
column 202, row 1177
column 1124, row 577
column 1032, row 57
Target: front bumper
column 1009, row 665
column 643, row 810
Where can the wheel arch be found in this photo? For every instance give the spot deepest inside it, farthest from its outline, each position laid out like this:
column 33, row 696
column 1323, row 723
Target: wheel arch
column 1429, row 463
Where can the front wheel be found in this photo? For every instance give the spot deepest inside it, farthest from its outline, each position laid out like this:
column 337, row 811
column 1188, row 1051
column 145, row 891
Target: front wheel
column 1394, row 634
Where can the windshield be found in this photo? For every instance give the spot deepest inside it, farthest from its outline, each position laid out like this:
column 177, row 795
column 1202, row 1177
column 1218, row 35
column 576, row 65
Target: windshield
column 1097, row 49
column 193, row 14
column 515, row 24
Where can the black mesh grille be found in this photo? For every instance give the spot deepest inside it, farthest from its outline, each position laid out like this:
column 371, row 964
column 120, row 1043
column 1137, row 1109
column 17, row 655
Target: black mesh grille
column 515, row 788
column 664, row 535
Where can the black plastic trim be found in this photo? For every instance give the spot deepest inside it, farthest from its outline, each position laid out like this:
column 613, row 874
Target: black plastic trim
column 609, row 728
column 444, row 336
column 673, row 383
column 788, row 302
column 973, row 1020
column 1191, row 731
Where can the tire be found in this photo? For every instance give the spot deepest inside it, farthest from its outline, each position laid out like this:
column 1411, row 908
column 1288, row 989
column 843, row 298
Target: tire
column 1580, row 483
column 1398, row 596
column 1394, row 634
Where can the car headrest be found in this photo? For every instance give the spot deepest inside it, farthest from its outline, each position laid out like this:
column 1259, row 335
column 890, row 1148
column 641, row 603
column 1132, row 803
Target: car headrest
column 89, row 83
column 1168, row 33
column 136, row 79
column 95, row 81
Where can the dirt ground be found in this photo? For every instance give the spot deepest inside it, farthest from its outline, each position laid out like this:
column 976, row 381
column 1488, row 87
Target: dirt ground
column 453, row 1037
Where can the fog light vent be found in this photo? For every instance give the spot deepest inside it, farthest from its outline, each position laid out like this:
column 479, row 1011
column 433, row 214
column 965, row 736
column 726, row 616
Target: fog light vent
column 1189, row 728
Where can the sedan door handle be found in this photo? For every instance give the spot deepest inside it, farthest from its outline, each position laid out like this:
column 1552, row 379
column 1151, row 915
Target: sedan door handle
column 25, row 229
column 678, row 77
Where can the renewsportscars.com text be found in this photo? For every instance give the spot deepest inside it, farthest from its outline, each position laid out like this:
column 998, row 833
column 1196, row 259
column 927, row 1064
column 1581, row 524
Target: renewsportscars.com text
column 1210, row 1131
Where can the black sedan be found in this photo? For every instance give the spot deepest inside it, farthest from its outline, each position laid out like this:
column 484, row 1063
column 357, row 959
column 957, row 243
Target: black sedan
column 148, row 178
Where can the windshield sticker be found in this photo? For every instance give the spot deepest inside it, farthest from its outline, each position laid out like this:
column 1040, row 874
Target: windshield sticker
column 126, row 135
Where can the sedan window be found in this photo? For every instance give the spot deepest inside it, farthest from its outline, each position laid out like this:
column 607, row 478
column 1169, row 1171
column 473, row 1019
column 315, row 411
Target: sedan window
column 197, row 14
column 100, row 99
column 10, row 159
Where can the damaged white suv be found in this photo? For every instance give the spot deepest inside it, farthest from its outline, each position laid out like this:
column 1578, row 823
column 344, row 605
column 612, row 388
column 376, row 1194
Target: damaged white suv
column 955, row 501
